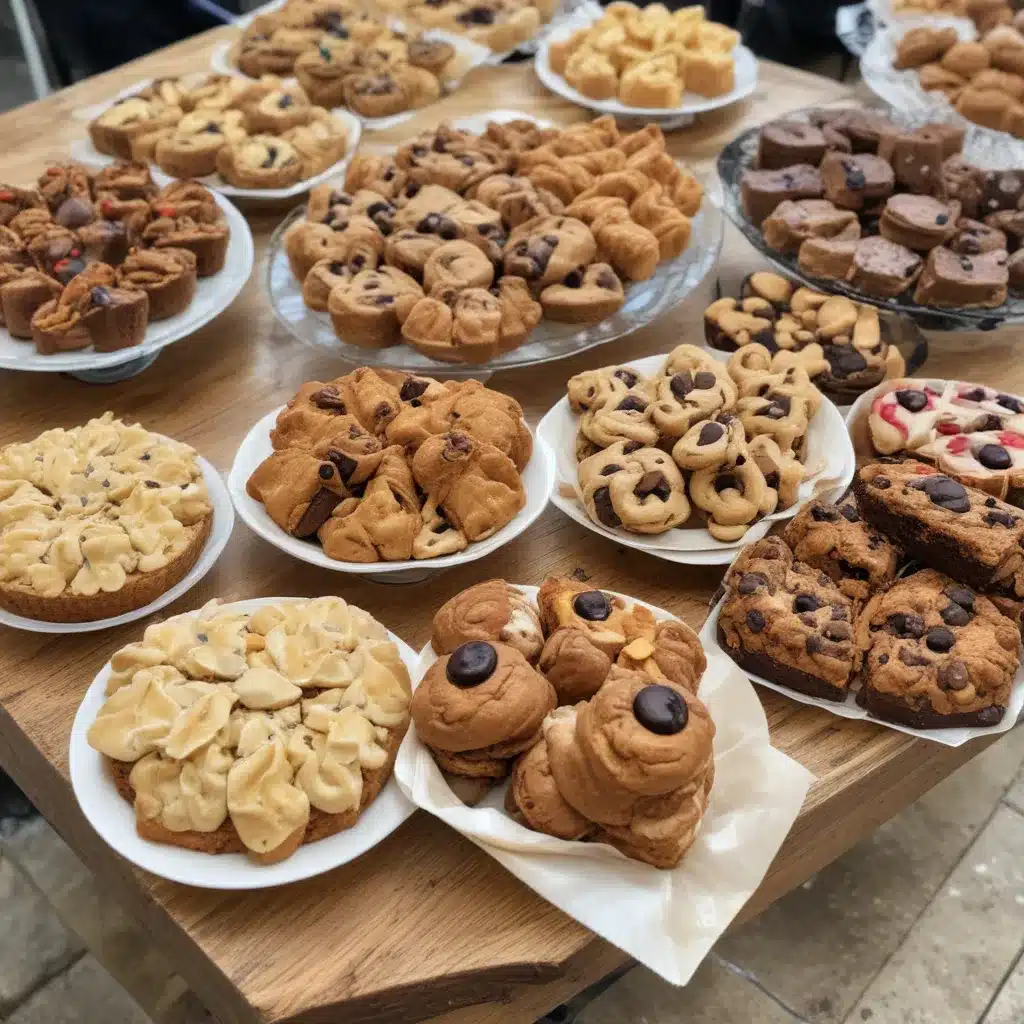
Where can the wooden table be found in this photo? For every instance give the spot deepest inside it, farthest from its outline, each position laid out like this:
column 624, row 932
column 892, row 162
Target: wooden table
column 425, row 924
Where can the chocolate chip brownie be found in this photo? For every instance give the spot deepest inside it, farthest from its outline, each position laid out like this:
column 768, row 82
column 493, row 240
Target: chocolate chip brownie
column 936, row 655
column 836, row 540
column 938, row 521
column 788, row 622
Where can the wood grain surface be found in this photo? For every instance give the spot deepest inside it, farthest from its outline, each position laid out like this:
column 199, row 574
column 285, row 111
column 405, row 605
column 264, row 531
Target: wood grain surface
column 425, row 924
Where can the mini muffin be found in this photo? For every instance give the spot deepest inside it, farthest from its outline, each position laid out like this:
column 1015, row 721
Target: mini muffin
column 167, row 276
column 207, row 242
column 260, row 161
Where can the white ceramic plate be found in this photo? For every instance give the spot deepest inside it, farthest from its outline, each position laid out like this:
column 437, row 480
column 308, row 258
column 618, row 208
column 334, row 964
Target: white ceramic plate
column 538, row 480
column 223, row 522
column 745, row 84
column 666, row 919
column 829, row 454
column 114, row 818
column 851, row 709
column 213, row 295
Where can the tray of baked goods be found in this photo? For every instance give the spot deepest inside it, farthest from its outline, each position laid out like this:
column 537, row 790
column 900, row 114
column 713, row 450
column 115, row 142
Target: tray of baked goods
column 260, row 139
column 496, row 242
column 846, row 347
column 687, row 458
column 102, row 524
column 246, row 744
column 646, row 62
column 902, row 603
column 938, row 68
column 892, row 214
column 100, row 267
column 391, row 475
column 572, row 726
column 279, row 38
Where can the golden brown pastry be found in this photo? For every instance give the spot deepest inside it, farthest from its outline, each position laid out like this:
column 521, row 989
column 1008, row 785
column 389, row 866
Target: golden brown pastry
column 494, row 611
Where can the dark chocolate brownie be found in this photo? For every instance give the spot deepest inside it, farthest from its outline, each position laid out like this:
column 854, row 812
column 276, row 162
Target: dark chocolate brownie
column 787, row 622
column 938, row 521
column 936, row 654
column 836, row 540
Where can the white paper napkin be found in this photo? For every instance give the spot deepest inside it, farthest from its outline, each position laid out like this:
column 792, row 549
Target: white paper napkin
column 667, row 920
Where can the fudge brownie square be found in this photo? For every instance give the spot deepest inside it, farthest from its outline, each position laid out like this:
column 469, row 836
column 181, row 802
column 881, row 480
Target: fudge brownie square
column 938, row 521
column 836, row 540
column 787, row 622
column 936, row 654
column 762, row 191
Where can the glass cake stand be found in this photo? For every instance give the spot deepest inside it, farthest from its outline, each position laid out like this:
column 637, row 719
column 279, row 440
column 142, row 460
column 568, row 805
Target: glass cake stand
column 908, row 319
column 645, row 301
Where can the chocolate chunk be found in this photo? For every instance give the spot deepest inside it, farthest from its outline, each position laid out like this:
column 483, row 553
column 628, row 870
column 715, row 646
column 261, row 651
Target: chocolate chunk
column 814, row 644
column 412, row 388
column 592, row 605
column 910, row 656
column 940, row 639
column 710, row 433
column 990, row 715
column 961, row 596
column 631, row 446
column 74, row 213
column 844, row 360
column 974, row 395
column 632, row 404
column 906, row 624
column 999, row 518
column 704, row 380
column 854, row 572
column 954, row 615
column 883, row 483
column 883, row 659
column 653, row 482
column 994, row 456
column 953, row 676
column 837, row 631
column 574, row 279
column 991, row 503
column 912, row 400
column 471, row 664
column 681, row 385
column 850, row 514
column 660, row 709
column 823, row 514
column 628, row 377
column 608, row 470
column 326, row 472
column 840, row 613
column 749, row 582
column 755, row 621
column 319, row 509
column 345, row 463
column 1011, row 403
column 946, row 493
column 101, row 297
column 806, row 603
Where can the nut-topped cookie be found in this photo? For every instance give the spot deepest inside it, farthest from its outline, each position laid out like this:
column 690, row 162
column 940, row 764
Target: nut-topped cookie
column 788, row 622
column 936, row 654
column 940, row 522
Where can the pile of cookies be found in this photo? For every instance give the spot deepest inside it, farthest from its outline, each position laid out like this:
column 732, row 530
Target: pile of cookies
column 912, row 592
column 459, row 244
column 97, row 520
column 260, row 134
column 858, row 199
column 986, row 14
column 701, row 440
column 647, row 56
column 500, row 25
column 587, row 701
column 383, row 466
column 344, row 56
column 89, row 258
column 983, row 79
column 254, row 732
column 839, row 342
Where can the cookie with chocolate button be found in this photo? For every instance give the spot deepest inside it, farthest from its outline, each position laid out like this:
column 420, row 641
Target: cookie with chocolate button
column 936, row 654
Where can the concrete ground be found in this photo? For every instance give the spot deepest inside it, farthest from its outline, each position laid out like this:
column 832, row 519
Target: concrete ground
column 923, row 923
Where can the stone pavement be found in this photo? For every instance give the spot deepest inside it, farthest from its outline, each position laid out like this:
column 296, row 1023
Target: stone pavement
column 923, row 923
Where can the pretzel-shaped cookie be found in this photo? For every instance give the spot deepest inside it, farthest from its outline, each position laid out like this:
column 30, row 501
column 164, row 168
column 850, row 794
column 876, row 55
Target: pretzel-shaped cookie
column 636, row 487
column 689, row 396
column 594, row 389
column 733, row 495
column 628, row 419
column 712, row 442
column 783, row 471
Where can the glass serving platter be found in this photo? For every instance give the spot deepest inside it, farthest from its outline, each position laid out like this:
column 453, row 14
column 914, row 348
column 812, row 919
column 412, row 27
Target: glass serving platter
column 738, row 156
column 645, row 301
